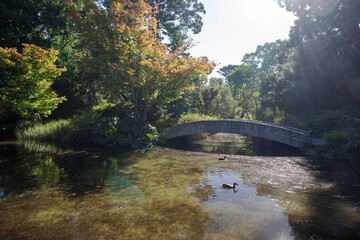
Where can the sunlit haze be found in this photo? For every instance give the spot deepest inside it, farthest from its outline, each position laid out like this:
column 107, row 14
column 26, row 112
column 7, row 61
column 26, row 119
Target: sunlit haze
column 233, row 28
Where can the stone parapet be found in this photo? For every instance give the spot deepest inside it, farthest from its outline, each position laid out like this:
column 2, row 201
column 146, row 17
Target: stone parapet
column 284, row 134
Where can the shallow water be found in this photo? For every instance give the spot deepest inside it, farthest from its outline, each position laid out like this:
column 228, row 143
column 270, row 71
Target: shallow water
column 233, row 144
column 49, row 193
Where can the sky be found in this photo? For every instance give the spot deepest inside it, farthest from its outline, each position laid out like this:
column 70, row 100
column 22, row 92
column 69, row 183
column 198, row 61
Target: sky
column 233, row 28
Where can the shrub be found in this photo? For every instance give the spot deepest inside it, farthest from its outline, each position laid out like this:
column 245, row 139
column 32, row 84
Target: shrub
column 164, row 123
column 108, row 124
column 336, row 145
column 194, row 117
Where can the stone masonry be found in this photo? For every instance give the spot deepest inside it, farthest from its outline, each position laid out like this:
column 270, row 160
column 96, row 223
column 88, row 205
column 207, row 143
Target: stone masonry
column 279, row 133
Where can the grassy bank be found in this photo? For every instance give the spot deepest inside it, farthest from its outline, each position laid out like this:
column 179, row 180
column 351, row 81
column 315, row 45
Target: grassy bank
column 94, row 128
column 51, row 131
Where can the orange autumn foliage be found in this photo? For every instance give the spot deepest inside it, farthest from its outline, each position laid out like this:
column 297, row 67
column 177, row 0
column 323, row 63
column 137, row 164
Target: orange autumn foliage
column 123, row 58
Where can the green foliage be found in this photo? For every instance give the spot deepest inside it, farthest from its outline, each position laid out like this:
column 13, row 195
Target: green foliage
column 241, row 75
column 336, row 145
column 213, row 98
column 108, row 124
column 227, row 107
column 227, row 70
column 194, row 117
column 40, row 146
column 86, row 120
column 97, row 127
column 245, row 87
column 205, row 98
column 164, row 122
column 177, row 17
column 257, row 83
column 336, row 137
column 33, row 22
column 325, row 121
column 51, row 131
column 341, row 131
column 122, row 60
column 27, row 79
column 323, row 65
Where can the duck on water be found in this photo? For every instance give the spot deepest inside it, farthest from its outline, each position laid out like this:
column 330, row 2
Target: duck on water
column 225, row 185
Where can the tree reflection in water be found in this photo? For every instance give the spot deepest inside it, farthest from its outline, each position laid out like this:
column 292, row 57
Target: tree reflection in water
column 172, row 194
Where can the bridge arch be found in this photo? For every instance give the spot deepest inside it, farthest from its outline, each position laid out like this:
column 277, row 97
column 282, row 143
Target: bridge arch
column 284, row 134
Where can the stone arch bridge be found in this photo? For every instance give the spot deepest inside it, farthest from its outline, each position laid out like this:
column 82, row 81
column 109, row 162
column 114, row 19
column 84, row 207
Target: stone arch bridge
column 288, row 135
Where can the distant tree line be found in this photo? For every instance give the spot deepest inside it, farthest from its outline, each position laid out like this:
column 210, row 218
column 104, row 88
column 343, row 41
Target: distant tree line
column 312, row 79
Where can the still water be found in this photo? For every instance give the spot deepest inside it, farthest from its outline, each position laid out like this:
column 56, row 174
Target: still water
column 166, row 193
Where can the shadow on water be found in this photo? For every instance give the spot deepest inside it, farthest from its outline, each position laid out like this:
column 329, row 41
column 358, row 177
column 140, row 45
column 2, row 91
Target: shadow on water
column 101, row 196
column 52, row 193
column 320, row 197
column 233, row 144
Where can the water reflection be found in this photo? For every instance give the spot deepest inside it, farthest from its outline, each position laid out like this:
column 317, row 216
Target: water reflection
column 173, row 194
column 240, row 213
column 20, row 171
column 233, row 144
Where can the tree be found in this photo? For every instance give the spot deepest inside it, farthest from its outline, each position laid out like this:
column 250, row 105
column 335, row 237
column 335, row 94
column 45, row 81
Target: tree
column 226, row 106
column 43, row 23
column 123, row 60
column 33, row 22
column 248, row 99
column 240, row 75
column 331, row 19
column 206, row 97
column 212, row 98
column 177, row 17
column 26, row 81
column 267, row 63
column 325, row 59
column 226, row 70
column 257, row 82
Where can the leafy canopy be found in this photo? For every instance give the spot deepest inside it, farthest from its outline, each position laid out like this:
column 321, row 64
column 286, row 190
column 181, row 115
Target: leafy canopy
column 123, row 60
column 37, row 22
column 177, row 17
column 26, row 81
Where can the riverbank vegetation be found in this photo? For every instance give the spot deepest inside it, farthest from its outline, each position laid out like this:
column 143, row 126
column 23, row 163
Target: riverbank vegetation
column 114, row 69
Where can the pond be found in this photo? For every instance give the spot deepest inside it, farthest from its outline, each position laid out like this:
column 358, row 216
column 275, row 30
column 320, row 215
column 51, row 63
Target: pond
column 166, row 193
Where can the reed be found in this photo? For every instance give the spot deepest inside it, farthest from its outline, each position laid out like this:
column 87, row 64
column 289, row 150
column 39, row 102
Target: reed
column 51, row 131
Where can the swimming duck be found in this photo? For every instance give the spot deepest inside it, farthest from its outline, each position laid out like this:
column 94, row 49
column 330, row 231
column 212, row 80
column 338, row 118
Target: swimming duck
column 225, row 185
column 224, row 158
column 143, row 150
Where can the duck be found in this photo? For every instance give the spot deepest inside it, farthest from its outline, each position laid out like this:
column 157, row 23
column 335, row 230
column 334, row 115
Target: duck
column 225, row 185
column 224, row 158
column 143, row 151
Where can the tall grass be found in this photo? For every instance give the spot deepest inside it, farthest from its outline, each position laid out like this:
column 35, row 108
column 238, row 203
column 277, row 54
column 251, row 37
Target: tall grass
column 51, row 131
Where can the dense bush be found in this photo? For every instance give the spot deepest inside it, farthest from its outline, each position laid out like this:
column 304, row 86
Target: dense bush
column 98, row 129
column 194, row 117
column 104, row 125
column 336, row 145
